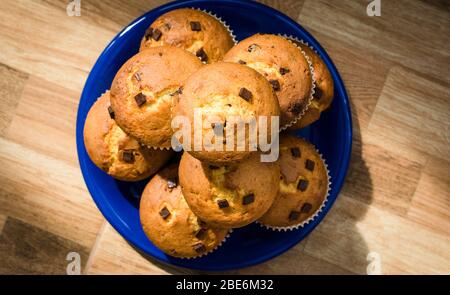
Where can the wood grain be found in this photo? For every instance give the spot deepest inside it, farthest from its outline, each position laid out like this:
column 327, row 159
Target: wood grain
column 40, row 252
column 395, row 202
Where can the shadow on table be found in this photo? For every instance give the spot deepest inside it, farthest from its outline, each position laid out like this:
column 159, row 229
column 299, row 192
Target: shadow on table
column 336, row 245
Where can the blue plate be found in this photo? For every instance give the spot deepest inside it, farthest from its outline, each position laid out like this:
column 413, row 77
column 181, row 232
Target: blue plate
column 118, row 201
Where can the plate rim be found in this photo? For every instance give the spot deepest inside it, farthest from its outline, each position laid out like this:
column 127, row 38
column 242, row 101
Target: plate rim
column 338, row 182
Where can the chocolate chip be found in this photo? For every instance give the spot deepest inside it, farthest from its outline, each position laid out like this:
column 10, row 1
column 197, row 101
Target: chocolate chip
column 201, row 223
column 317, row 93
column 178, row 91
column 284, row 71
column 248, row 199
column 156, row 34
column 306, row 208
column 295, row 152
column 202, row 55
column 168, row 26
column 171, row 183
column 302, row 185
column 160, row 54
column 111, row 112
column 137, row 76
column 223, row 203
column 212, row 167
column 199, row 248
column 275, row 85
column 294, row 215
column 140, row 99
column 164, row 213
column 128, row 156
column 309, row 165
column 148, row 33
column 196, row 26
column 201, row 233
column 253, row 47
column 242, row 62
column 245, row 94
column 296, row 107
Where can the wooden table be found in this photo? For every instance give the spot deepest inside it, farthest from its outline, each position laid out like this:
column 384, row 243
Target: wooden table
column 395, row 205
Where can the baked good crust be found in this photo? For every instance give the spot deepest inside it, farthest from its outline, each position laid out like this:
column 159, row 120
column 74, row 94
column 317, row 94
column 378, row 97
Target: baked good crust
column 175, row 234
column 162, row 71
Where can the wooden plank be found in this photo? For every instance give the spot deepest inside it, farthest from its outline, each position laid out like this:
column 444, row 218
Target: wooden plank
column 27, row 249
column 48, row 193
column 113, row 255
column 12, row 83
column 354, row 230
column 412, row 33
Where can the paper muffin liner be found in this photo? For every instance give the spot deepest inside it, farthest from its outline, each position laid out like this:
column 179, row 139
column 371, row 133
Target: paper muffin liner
column 314, row 215
column 212, row 250
column 219, row 19
column 291, row 38
column 161, row 148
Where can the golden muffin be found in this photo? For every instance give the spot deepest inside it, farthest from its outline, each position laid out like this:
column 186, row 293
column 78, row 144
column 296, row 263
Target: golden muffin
column 169, row 223
column 324, row 91
column 193, row 30
column 226, row 95
column 284, row 65
column 303, row 185
column 143, row 91
column 229, row 196
column 113, row 151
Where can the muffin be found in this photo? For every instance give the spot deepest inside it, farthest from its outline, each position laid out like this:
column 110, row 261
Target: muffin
column 169, row 223
column 323, row 93
column 227, row 96
column 113, row 151
column 144, row 88
column 193, row 30
column 303, row 185
column 284, row 65
column 229, row 196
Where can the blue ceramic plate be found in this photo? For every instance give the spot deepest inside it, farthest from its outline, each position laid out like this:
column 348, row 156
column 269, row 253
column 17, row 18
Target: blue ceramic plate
column 118, row 201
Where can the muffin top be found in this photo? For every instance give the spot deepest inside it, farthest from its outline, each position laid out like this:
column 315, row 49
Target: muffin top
column 229, row 196
column 225, row 93
column 284, row 66
column 324, row 90
column 113, row 151
column 303, row 184
column 144, row 88
column 170, row 224
column 193, row 30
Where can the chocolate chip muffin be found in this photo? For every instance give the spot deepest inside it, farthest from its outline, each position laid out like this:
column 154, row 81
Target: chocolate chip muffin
column 303, row 185
column 324, row 90
column 284, row 65
column 229, row 196
column 193, row 30
column 169, row 223
column 144, row 88
column 227, row 96
column 113, row 151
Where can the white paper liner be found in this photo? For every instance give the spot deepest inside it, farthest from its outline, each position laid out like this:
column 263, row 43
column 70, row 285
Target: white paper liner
column 219, row 19
column 313, row 81
column 162, row 148
column 212, row 250
column 313, row 216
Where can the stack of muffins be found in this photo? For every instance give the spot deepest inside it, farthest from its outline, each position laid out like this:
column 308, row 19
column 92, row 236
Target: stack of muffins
column 189, row 61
